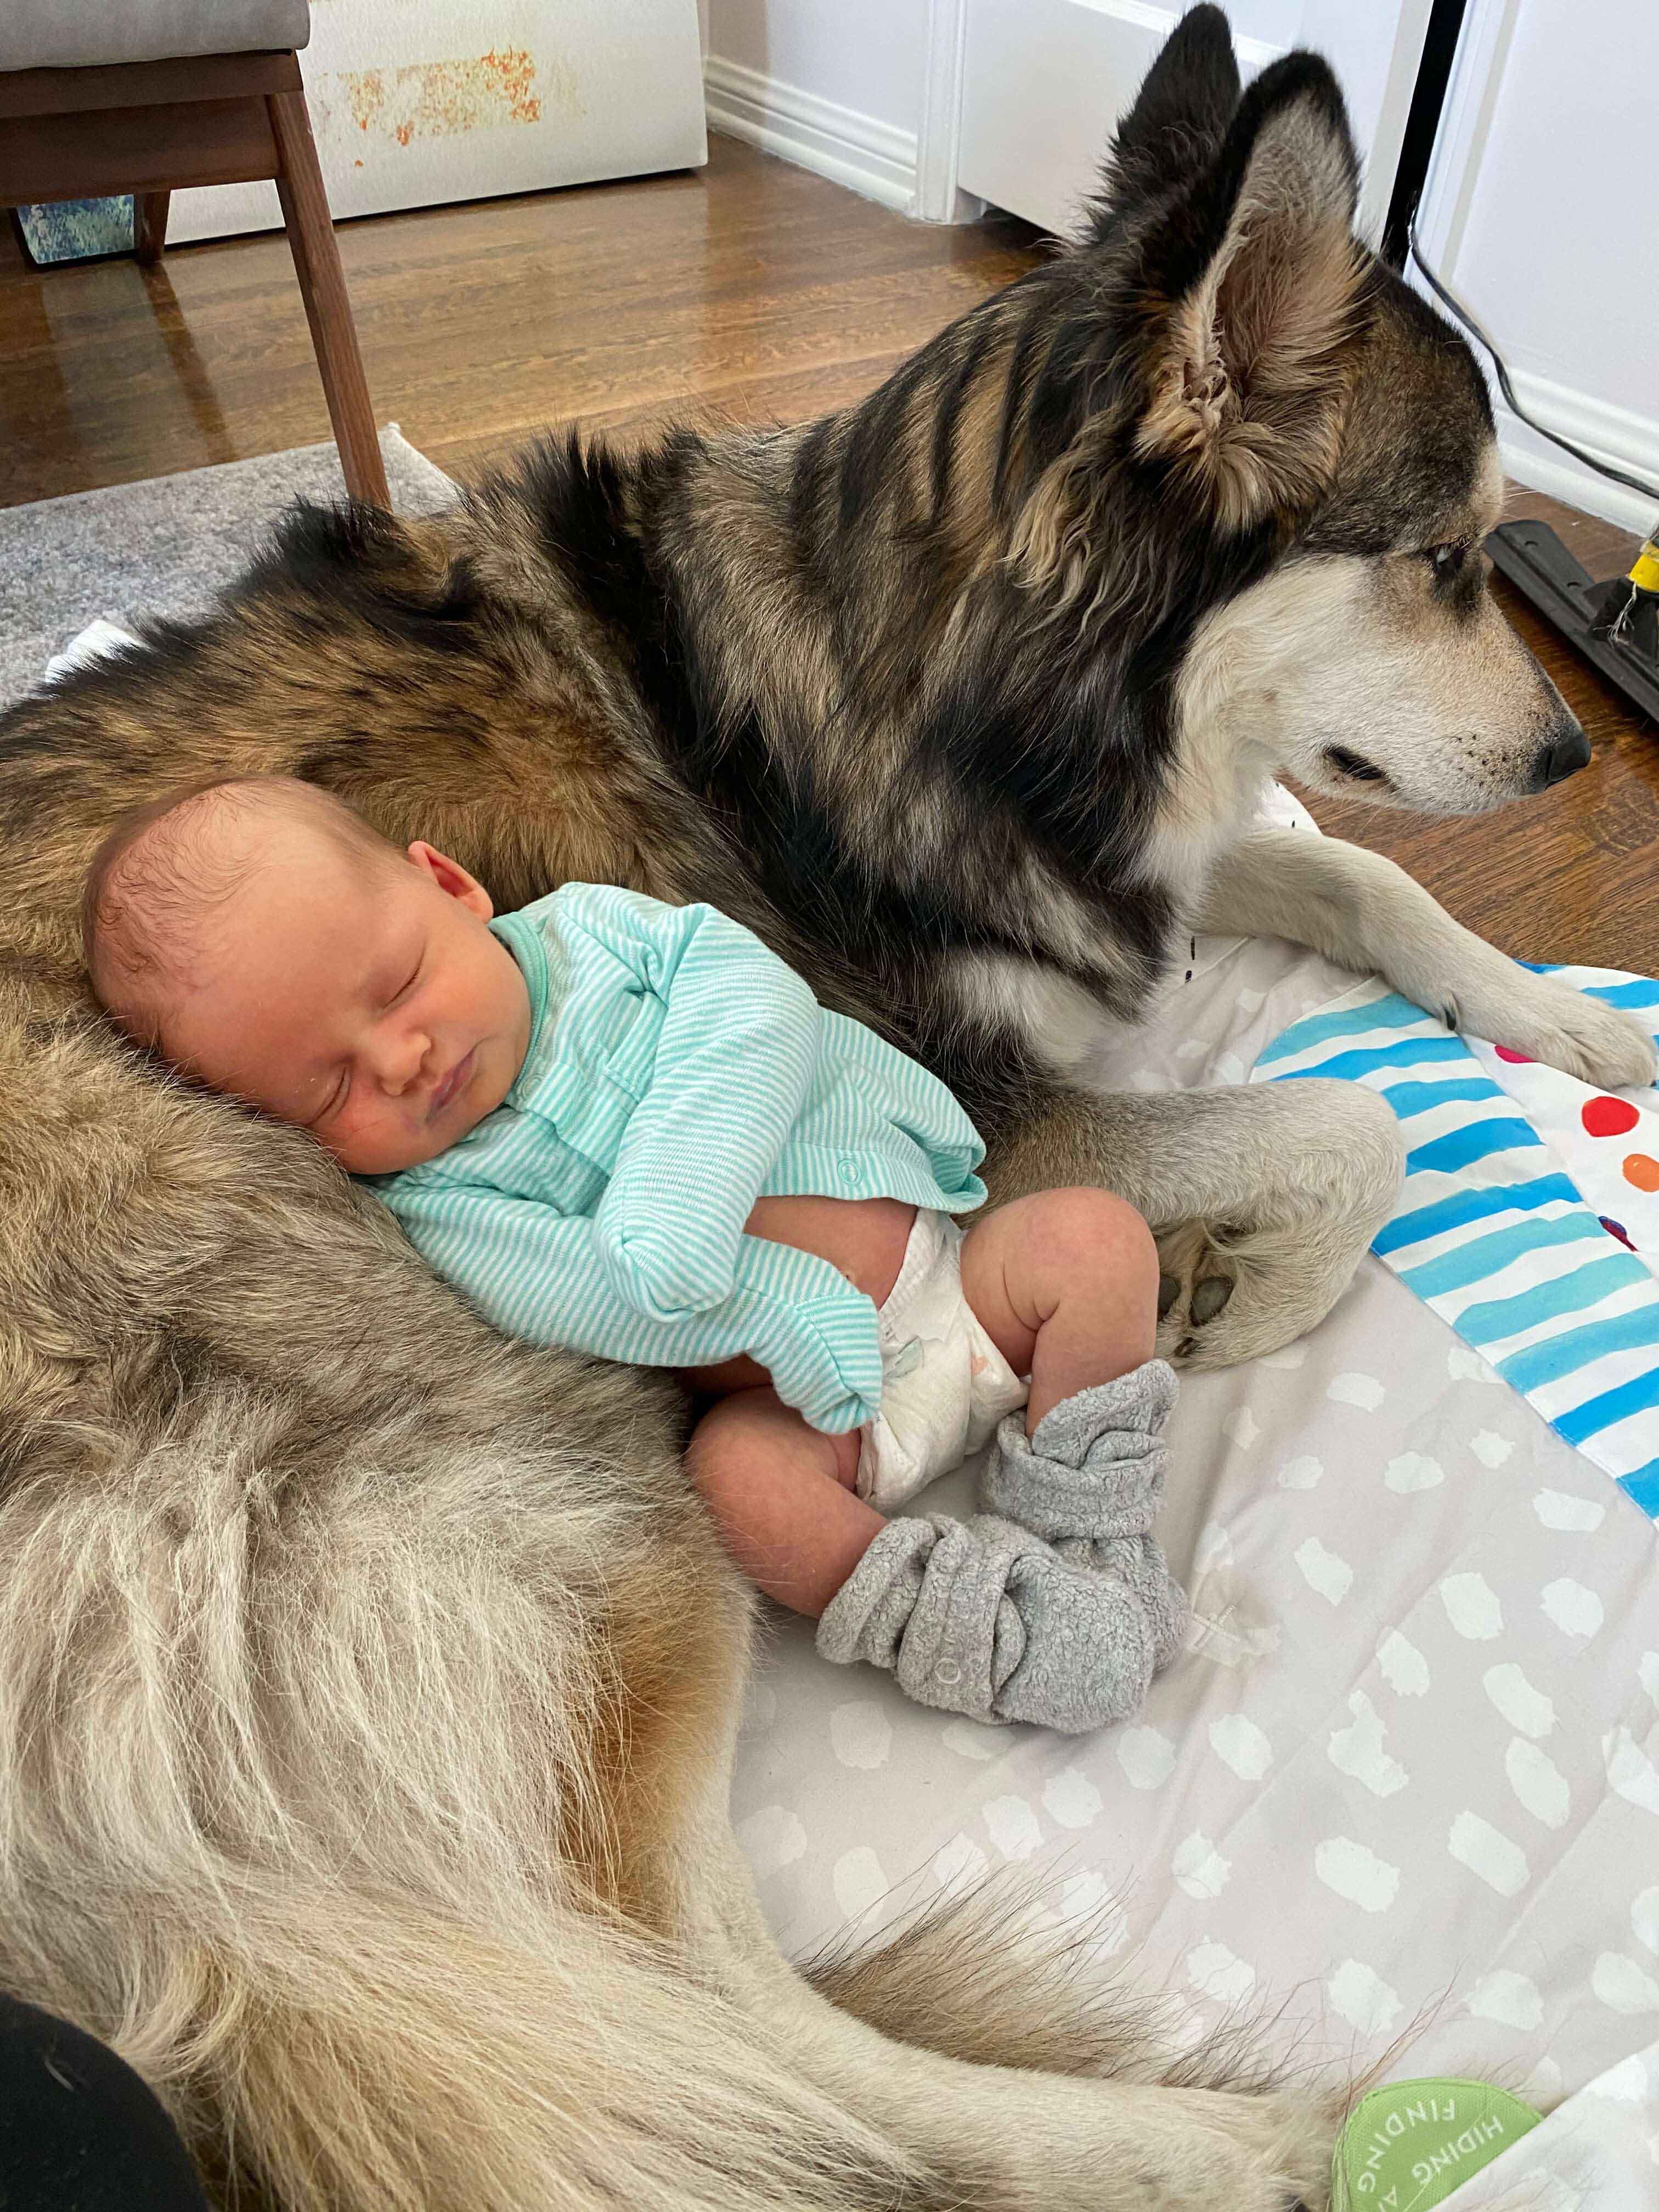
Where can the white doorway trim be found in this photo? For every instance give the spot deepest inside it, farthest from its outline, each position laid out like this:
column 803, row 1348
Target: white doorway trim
column 938, row 199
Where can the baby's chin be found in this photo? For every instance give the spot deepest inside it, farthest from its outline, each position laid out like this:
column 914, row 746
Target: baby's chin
column 385, row 1159
column 391, row 1155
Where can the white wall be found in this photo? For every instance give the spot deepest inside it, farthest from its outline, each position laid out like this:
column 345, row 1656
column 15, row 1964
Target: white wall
column 837, row 85
column 865, row 91
column 1540, row 216
column 1045, row 81
column 865, row 55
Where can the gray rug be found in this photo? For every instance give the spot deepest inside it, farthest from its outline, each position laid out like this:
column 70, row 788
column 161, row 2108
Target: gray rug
column 162, row 547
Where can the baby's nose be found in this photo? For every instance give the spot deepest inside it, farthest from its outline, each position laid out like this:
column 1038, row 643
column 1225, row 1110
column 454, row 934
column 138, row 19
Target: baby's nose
column 401, row 1062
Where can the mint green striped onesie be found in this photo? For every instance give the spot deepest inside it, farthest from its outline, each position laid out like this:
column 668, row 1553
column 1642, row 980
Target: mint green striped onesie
column 677, row 1071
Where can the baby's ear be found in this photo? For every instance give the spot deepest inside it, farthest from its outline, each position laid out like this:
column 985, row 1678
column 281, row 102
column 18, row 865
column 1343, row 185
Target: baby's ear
column 451, row 878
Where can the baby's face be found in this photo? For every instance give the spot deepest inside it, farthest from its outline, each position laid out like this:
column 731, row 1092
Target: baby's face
column 376, row 1011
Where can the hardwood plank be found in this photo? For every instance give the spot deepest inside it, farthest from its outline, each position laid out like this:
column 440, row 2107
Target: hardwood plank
column 751, row 292
column 482, row 324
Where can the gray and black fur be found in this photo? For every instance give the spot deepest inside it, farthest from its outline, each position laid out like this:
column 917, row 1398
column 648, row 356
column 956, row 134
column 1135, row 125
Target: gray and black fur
column 367, row 1684
column 963, row 696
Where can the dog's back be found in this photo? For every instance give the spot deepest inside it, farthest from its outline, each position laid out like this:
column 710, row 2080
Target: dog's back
column 369, row 1682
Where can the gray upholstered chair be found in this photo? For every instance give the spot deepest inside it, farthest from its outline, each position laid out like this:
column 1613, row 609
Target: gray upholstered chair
column 148, row 96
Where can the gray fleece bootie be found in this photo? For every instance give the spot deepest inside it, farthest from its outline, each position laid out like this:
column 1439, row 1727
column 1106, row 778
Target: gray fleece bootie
column 1089, row 1480
column 983, row 1618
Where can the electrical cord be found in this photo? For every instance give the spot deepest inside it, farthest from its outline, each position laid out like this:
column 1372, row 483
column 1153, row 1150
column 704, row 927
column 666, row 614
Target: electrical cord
column 1602, row 468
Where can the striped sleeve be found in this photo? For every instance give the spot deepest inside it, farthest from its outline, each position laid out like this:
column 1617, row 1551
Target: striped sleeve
column 734, row 1061
column 535, row 1273
column 538, row 1275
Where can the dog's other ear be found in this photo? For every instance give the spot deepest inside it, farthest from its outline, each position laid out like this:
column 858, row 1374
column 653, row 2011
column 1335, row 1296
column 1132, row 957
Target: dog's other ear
column 1248, row 292
column 1178, row 121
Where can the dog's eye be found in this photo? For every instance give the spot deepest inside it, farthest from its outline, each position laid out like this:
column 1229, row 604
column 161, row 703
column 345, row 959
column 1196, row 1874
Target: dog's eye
column 1446, row 561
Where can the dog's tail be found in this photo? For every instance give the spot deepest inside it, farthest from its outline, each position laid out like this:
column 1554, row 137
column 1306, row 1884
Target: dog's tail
column 353, row 2053
column 284, row 1768
column 352, row 2047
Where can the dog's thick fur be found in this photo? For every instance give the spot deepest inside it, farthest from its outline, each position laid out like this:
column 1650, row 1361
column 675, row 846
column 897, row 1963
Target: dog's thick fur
column 367, row 1683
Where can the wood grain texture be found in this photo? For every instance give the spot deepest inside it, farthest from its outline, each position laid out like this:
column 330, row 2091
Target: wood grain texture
column 110, row 150
column 328, row 305
column 751, row 291
column 148, row 84
column 149, row 225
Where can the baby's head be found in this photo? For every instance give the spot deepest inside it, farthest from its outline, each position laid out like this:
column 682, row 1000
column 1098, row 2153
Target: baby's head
column 262, row 937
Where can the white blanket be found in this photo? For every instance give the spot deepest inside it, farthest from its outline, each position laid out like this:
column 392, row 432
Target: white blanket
column 1425, row 1826
column 1597, row 2152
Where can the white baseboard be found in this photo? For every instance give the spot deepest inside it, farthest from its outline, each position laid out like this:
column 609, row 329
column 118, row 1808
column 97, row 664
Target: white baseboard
column 869, row 156
column 1618, row 434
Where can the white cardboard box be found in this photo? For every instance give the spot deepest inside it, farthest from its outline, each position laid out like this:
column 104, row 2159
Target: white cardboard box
column 416, row 102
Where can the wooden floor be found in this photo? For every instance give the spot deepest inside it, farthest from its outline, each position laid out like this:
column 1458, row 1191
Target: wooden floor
column 752, row 290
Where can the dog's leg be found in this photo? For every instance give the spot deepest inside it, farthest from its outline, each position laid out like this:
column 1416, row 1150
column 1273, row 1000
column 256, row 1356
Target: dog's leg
column 1365, row 913
column 1263, row 1200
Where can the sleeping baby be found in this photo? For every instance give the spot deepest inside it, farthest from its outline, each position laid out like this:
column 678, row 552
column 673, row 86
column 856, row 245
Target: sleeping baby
column 629, row 1128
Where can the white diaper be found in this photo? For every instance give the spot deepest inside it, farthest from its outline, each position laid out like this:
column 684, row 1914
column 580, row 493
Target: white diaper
column 945, row 1385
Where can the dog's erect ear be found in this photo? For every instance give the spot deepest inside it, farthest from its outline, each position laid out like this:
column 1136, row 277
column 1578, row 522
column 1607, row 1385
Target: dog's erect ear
column 1179, row 120
column 1248, row 293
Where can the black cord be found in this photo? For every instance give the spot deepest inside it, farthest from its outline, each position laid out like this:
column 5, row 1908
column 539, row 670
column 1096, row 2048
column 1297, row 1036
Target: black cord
column 1434, row 70
column 1602, row 468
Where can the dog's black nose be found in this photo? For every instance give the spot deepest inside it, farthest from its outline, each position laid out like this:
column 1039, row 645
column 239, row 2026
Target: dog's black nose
column 1564, row 756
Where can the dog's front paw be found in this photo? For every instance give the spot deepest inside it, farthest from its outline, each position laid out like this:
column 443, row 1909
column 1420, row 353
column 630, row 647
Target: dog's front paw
column 1550, row 1021
column 1196, row 1281
column 1319, row 1164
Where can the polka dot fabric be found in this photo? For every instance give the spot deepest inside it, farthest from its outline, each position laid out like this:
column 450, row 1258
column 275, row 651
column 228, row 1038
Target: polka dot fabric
column 1530, row 1214
column 1401, row 1805
column 1608, row 1143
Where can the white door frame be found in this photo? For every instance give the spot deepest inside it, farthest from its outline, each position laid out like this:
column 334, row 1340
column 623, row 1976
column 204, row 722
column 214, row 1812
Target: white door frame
column 1615, row 434
column 940, row 135
column 1383, row 160
column 937, row 198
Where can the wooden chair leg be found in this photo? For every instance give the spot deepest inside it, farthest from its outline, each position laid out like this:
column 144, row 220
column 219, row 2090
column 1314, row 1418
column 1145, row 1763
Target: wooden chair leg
column 328, row 307
column 149, row 225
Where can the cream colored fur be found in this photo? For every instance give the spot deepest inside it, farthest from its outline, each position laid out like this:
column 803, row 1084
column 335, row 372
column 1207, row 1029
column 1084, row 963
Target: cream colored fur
column 367, row 1701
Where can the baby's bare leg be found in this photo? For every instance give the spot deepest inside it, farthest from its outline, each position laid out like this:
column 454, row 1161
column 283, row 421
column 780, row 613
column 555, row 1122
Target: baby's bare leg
column 1067, row 1281
column 783, row 1496
column 992, row 1616
column 1066, row 1284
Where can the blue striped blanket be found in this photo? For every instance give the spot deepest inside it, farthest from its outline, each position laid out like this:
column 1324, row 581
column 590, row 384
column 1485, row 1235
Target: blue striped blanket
column 1529, row 1219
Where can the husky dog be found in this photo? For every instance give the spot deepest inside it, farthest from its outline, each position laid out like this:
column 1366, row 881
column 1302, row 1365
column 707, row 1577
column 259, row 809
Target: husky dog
column 369, row 1682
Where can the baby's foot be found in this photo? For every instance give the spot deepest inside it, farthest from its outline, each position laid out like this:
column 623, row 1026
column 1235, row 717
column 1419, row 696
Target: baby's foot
column 982, row 1616
column 1094, row 1466
column 1140, row 1562
column 1090, row 1479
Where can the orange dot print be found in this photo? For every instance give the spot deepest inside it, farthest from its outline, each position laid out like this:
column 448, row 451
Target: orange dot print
column 1643, row 1169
